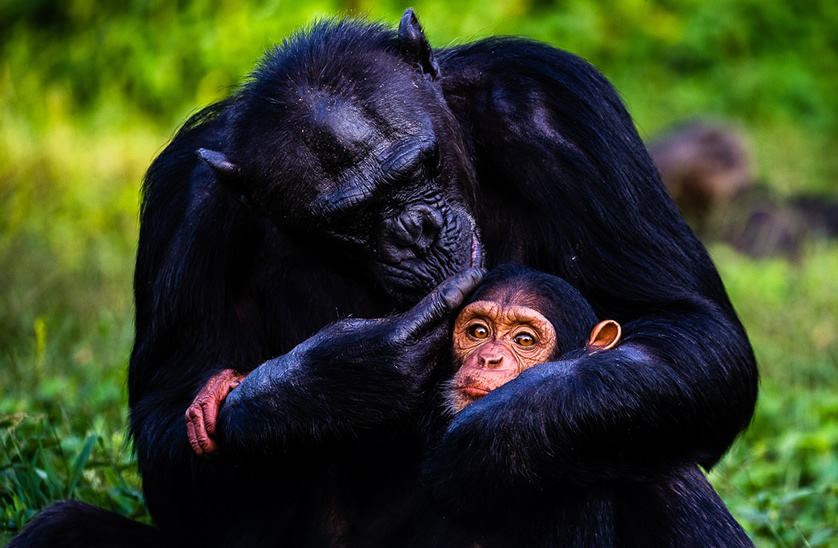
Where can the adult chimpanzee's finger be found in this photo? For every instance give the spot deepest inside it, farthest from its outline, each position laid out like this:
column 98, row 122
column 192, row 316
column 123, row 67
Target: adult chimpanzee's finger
column 443, row 300
column 202, row 415
column 196, row 431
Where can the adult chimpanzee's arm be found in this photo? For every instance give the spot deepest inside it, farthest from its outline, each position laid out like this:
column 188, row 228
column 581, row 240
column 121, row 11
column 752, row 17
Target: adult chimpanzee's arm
column 566, row 186
column 351, row 376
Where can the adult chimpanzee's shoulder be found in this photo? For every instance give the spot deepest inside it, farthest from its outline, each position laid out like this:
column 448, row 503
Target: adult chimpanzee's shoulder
column 177, row 179
column 497, row 50
column 202, row 129
column 500, row 61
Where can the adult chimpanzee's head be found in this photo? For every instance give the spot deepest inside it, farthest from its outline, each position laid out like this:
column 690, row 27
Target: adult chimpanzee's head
column 347, row 138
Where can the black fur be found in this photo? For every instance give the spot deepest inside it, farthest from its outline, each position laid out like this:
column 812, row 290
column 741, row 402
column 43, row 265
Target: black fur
column 74, row 523
column 676, row 509
column 529, row 144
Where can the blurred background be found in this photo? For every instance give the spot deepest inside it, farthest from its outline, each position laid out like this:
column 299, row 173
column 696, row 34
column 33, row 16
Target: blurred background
column 91, row 91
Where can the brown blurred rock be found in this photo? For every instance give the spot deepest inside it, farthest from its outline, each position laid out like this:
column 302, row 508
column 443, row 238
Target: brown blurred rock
column 707, row 170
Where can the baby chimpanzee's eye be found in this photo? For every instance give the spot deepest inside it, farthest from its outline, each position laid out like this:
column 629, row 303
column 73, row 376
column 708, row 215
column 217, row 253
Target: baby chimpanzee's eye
column 524, row 339
column 478, row 331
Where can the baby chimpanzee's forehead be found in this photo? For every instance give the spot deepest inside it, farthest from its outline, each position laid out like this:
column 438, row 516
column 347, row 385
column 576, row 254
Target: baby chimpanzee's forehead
column 499, row 312
column 507, row 295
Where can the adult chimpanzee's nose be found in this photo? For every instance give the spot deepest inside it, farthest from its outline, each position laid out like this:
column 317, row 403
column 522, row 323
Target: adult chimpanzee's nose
column 410, row 233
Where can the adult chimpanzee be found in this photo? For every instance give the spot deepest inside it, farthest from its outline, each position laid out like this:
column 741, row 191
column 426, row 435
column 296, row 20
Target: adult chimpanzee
column 519, row 318
column 385, row 167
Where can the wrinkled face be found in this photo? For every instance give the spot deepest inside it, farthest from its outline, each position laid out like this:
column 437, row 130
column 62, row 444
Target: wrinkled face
column 365, row 161
column 493, row 344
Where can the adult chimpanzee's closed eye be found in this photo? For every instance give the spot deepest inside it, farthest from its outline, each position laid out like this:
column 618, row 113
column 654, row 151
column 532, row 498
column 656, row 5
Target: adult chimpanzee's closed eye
column 376, row 168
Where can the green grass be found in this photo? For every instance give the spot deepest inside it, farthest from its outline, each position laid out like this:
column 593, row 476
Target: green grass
column 781, row 478
column 90, row 92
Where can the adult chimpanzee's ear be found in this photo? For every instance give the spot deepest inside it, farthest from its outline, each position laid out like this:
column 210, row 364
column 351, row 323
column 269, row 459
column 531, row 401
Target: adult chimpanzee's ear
column 219, row 163
column 606, row 334
column 414, row 46
column 226, row 172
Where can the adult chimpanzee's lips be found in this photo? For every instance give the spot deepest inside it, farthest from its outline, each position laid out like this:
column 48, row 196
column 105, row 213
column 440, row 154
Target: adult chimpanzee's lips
column 413, row 277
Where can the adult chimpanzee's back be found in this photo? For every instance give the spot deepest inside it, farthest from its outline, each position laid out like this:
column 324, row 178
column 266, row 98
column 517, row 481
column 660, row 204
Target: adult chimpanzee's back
column 352, row 173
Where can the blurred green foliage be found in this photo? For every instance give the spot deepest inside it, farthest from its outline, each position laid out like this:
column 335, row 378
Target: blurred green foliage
column 781, row 478
column 91, row 91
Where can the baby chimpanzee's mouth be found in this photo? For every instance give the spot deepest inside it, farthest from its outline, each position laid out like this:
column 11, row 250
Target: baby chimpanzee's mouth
column 472, row 392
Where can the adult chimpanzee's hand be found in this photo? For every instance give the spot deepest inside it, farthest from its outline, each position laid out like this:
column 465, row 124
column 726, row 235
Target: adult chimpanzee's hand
column 202, row 414
column 356, row 362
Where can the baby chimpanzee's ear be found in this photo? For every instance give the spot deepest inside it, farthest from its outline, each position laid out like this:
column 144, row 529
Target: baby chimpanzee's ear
column 606, row 334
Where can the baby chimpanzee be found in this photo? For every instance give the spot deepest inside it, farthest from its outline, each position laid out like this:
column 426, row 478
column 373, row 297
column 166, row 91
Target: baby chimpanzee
column 516, row 319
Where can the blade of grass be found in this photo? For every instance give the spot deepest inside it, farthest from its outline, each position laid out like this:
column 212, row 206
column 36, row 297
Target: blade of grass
column 80, row 462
